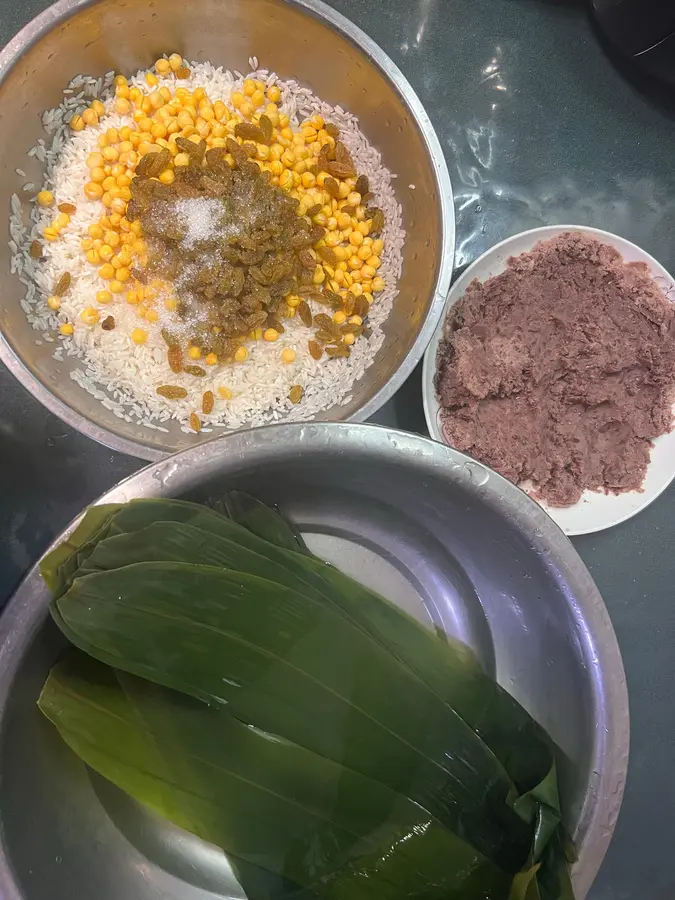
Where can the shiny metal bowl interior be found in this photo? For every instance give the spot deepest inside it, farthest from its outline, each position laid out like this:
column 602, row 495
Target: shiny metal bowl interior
column 299, row 39
column 454, row 543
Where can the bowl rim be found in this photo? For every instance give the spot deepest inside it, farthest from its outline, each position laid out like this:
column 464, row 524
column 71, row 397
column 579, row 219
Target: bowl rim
column 65, row 9
column 26, row 610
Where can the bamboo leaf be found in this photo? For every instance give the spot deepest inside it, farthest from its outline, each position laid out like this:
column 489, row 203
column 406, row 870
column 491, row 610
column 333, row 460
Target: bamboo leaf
column 277, row 807
column 295, row 667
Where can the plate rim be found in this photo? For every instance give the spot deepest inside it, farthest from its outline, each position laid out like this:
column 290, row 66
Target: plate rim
column 432, row 407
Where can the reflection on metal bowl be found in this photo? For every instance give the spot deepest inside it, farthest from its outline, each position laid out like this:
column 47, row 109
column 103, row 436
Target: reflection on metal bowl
column 299, row 39
column 453, row 543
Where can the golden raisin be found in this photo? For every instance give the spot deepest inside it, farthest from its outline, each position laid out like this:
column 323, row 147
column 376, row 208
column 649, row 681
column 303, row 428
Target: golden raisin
column 195, row 370
column 67, row 208
column 315, row 350
column 195, row 424
column 305, row 314
column 207, row 402
column 175, row 357
column 295, row 393
column 62, row 284
column 172, row 392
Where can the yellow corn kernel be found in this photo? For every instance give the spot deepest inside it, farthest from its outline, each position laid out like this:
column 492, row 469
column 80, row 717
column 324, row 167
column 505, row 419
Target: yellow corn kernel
column 339, row 317
column 293, row 301
column 258, row 98
column 152, row 315
column 344, row 190
column 319, row 275
column 339, row 277
column 363, row 253
column 356, row 238
column 66, row 328
column 139, row 336
column 97, row 176
column 236, row 99
column 288, row 355
column 247, row 109
column 378, row 246
column 363, row 228
column 77, row 123
column 106, row 252
column 240, row 354
column 270, row 334
column 349, row 339
column 175, row 61
column 53, row 302
column 249, row 87
column 110, row 154
column 181, row 159
column 344, row 221
column 195, row 353
column 163, row 66
column 354, row 262
column 132, row 297
column 61, row 220
column 355, row 320
column 106, row 272
column 122, row 106
column 93, row 191
column 225, row 393
column 93, row 257
column 151, row 79
column 210, row 359
column 120, row 79
column 103, row 296
column 122, row 274
column 112, row 136
column 374, row 261
column 368, row 297
column 378, row 284
column 45, row 199
column 86, row 244
column 98, row 107
column 89, row 316
column 273, row 93
column 332, row 239
column 167, row 176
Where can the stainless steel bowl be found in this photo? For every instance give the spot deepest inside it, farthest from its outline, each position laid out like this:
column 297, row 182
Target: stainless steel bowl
column 300, row 39
column 452, row 542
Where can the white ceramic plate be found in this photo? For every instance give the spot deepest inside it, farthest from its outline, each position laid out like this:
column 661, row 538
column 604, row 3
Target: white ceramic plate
column 594, row 511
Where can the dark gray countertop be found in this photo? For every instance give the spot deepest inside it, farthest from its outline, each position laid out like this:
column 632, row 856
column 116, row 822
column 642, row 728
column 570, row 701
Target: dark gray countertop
column 538, row 127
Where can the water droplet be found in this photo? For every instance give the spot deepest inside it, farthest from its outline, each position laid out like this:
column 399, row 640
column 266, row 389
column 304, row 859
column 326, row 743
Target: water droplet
column 478, row 209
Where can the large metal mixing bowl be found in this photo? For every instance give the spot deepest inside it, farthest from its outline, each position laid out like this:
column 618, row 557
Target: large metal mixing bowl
column 452, row 542
column 299, row 39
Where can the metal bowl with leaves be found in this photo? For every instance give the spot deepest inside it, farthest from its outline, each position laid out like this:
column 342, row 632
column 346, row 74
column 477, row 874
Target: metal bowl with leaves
column 455, row 545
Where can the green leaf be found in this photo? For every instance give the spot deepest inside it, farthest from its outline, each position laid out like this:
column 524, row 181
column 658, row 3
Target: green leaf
column 296, row 667
column 264, row 521
column 93, row 521
column 276, row 807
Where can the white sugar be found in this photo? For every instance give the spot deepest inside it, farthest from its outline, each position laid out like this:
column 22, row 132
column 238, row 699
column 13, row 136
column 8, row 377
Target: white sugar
column 202, row 217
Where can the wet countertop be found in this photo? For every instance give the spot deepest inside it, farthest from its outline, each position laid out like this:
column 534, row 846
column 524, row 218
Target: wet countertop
column 539, row 126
